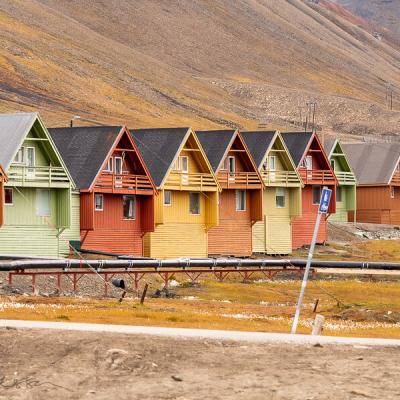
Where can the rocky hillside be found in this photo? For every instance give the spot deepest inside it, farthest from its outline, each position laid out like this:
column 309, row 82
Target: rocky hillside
column 195, row 62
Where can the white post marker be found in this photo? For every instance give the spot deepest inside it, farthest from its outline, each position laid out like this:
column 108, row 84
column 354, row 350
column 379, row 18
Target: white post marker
column 323, row 209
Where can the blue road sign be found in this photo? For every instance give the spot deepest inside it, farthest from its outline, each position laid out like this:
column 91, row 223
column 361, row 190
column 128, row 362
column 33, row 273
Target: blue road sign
column 325, row 199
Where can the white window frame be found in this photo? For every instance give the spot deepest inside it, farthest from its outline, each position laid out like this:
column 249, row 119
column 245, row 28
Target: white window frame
column 392, row 193
column 190, row 195
column 101, row 196
column 186, row 158
column 280, row 192
column 37, row 203
column 237, row 194
column 133, row 200
column 115, row 165
column 12, row 196
column 20, row 152
column 109, row 165
column 170, row 198
column 34, row 156
column 308, row 163
column 177, row 164
column 270, row 158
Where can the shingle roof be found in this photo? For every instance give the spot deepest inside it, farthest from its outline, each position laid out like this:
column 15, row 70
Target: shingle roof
column 215, row 144
column 258, row 143
column 328, row 145
column 13, row 129
column 297, row 143
column 84, row 150
column 159, row 147
column 373, row 163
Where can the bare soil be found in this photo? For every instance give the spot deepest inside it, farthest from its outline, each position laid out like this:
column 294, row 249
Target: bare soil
column 76, row 365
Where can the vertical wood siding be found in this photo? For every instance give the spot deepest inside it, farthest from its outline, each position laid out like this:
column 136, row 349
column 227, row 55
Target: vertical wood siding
column 87, row 211
column 233, row 234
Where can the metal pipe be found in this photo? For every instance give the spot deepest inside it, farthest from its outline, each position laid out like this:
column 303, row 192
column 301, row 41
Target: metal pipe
column 34, row 264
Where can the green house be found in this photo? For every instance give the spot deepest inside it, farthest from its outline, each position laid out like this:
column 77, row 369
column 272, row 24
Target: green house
column 346, row 191
column 41, row 210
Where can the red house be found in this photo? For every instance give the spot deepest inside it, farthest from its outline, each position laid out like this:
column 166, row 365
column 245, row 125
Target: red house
column 316, row 172
column 116, row 190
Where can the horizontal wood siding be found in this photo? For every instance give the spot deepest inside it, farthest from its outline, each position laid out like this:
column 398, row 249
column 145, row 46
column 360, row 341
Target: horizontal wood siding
column 278, row 234
column 87, row 211
column 233, row 234
column 1, row 201
column 174, row 240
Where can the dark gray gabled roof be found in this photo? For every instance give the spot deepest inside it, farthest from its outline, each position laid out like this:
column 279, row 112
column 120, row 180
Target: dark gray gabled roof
column 84, row 150
column 297, row 143
column 373, row 163
column 159, row 147
column 13, row 130
column 258, row 143
column 329, row 143
column 215, row 144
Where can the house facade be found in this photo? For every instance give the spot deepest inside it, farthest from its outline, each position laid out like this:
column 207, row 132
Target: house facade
column 346, row 189
column 116, row 190
column 377, row 170
column 3, row 180
column 240, row 201
column 41, row 209
column 186, row 207
column 315, row 171
column 281, row 194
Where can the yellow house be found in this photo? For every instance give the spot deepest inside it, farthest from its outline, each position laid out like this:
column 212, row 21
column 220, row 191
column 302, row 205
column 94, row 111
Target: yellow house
column 281, row 195
column 186, row 206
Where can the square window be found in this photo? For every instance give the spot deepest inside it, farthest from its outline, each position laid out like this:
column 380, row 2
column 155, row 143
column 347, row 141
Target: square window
column 194, row 203
column 339, row 194
column 8, row 196
column 316, row 194
column 129, row 203
column 43, row 202
column 98, row 202
column 280, row 198
column 240, row 200
column 167, row 198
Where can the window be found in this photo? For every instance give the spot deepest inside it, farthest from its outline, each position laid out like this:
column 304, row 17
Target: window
column 184, row 164
column 240, row 200
column 392, row 192
column 30, row 156
column 339, row 194
column 316, row 194
column 43, row 202
column 129, row 207
column 167, row 197
column 118, row 165
column 98, row 202
column 280, row 197
column 308, row 162
column 194, row 203
column 19, row 157
column 272, row 163
column 109, row 165
column 177, row 164
column 8, row 196
column 231, row 164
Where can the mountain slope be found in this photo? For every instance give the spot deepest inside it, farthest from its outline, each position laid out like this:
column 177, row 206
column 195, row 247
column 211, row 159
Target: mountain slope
column 204, row 63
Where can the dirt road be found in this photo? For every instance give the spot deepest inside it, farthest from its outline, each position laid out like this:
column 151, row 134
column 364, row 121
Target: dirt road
column 50, row 364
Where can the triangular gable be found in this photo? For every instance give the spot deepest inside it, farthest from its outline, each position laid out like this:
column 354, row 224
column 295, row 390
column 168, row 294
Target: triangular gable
column 315, row 144
column 124, row 133
column 337, row 151
column 15, row 128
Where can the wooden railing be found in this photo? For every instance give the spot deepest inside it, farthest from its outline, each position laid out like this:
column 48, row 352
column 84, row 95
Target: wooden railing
column 243, row 179
column 317, row 176
column 45, row 176
column 196, row 181
column 281, row 178
column 345, row 177
column 114, row 183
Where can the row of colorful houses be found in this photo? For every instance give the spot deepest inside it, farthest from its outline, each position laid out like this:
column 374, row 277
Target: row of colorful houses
column 174, row 192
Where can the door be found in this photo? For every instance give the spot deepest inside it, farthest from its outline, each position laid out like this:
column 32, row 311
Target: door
column 272, row 167
column 30, row 162
column 118, row 172
column 309, row 166
column 185, row 170
column 231, row 168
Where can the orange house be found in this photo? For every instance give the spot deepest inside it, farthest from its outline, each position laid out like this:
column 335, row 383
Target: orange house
column 116, row 190
column 316, row 172
column 3, row 179
column 240, row 202
column 377, row 170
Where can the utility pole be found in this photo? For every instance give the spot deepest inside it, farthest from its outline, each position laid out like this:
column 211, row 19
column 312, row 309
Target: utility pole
column 312, row 106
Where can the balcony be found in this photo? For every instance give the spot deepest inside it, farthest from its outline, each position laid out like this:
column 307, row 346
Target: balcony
column 239, row 180
column 281, row 178
column 345, row 178
column 194, row 182
column 123, row 184
column 47, row 176
column 317, row 177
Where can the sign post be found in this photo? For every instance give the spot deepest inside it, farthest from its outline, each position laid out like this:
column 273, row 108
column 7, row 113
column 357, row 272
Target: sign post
column 323, row 209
